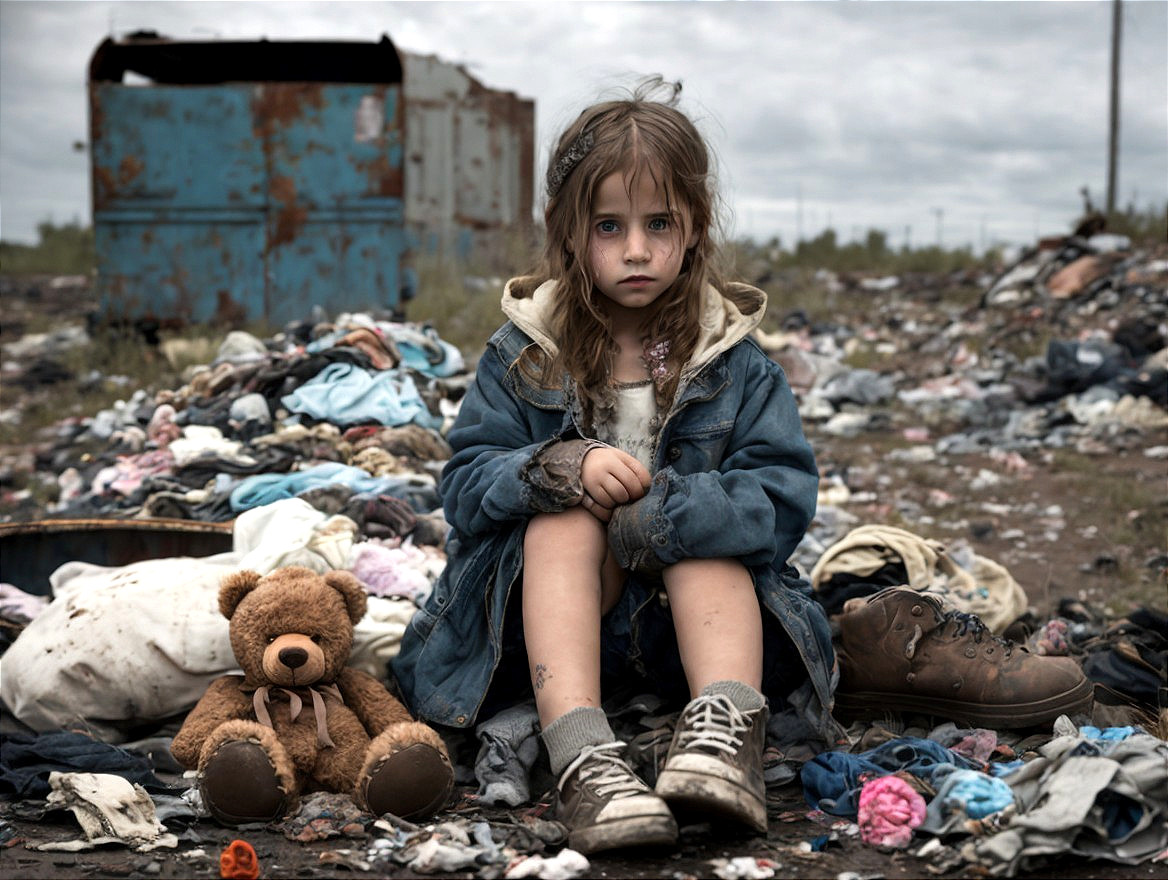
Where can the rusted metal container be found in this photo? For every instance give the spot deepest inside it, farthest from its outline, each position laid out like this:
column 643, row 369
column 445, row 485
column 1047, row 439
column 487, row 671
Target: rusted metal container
column 31, row 551
column 246, row 181
column 470, row 158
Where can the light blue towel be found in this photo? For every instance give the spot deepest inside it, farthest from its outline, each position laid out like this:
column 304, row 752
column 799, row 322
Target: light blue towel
column 345, row 394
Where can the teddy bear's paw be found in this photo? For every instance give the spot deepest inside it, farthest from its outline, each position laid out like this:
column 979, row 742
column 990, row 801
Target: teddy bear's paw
column 240, row 784
column 414, row 779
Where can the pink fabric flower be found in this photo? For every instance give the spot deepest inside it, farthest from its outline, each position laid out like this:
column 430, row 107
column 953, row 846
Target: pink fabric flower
column 655, row 358
column 889, row 811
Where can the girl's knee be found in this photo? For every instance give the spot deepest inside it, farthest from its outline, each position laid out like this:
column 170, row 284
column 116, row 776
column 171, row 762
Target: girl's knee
column 711, row 573
column 566, row 530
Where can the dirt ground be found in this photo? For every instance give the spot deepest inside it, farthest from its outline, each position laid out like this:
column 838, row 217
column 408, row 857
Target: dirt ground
column 786, row 849
column 1046, row 523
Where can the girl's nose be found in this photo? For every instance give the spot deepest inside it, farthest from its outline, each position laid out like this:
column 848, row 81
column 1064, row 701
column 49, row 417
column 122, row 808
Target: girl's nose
column 636, row 247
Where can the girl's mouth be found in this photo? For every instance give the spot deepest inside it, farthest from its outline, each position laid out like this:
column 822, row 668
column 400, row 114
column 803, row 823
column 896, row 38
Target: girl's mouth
column 637, row 280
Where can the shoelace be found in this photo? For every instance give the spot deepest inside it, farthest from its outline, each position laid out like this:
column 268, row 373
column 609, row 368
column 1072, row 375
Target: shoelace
column 602, row 767
column 712, row 722
column 965, row 622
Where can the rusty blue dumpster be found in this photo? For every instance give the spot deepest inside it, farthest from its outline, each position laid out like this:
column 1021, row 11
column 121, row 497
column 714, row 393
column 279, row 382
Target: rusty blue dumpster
column 240, row 182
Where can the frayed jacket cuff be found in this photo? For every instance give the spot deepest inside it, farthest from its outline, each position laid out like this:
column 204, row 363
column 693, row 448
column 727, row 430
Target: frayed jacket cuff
column 553, row 474
column 641, row 537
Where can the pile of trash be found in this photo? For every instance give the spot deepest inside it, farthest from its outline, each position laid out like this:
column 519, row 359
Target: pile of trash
column 1026, row 371
column 324, row 444
column 1102, row 377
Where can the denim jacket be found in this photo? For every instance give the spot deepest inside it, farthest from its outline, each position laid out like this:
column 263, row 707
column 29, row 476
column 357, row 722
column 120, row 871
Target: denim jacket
column 733, row 477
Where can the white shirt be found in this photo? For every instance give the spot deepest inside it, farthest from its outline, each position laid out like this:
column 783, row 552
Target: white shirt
column 633, row 427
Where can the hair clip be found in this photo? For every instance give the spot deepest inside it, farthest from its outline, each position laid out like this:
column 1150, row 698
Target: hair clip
column 577, row 150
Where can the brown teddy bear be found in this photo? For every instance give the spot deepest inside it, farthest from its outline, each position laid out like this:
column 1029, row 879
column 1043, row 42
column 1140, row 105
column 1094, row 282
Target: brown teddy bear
column 300, row 720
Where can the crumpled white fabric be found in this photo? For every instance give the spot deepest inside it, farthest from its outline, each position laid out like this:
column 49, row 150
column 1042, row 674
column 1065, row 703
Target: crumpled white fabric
column 198, row 441
column 377, row 636
column 109, row 809
column 743, row 868
column 120, row 646
column 564, row 865
column 292, row 532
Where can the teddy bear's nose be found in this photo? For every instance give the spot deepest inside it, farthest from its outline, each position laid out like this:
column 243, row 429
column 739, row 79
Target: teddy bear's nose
column 293, row 657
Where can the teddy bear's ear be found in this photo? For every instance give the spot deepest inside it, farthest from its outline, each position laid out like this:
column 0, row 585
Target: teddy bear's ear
column 351, row 591
column 233, row 588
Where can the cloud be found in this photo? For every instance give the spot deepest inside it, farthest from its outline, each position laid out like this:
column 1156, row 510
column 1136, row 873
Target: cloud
column 859, row 114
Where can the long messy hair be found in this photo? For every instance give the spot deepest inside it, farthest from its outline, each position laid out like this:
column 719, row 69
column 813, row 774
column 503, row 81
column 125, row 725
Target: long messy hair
column 641, row 134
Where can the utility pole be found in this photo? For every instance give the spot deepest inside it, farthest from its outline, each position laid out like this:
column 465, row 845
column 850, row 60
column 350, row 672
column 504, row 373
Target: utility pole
column 938, row 213
column 1113, row 127
column 798, row 214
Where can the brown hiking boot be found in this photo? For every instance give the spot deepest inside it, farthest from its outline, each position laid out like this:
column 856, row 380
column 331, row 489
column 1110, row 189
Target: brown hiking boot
column 606, row 806
column 714, row 765
column 900, row 651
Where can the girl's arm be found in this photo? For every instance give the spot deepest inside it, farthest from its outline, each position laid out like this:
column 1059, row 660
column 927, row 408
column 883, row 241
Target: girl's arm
column 754, row 507
column 504, row 468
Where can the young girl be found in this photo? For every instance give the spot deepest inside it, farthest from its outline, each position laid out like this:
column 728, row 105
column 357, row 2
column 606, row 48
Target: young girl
column 629, row 478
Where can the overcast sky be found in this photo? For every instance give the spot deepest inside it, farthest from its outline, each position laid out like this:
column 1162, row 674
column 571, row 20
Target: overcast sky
column 979, row 120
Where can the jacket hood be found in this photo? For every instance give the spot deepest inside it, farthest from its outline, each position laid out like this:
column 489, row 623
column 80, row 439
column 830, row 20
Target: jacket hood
column 727, row 317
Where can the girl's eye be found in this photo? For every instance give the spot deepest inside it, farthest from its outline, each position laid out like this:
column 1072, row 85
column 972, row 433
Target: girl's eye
column 658, row 224
column 607, row 226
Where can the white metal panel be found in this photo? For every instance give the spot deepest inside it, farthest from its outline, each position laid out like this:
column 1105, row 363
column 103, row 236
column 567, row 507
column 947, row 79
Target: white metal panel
column 468, row 152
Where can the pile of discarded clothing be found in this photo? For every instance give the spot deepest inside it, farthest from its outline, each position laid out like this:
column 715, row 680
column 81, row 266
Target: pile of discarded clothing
column 323, row 444
column 357, row 407
column 972, row 799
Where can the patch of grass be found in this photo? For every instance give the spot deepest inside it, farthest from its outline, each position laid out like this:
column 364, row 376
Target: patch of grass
column 108, row 368
column 462, row 307
column 62, row 250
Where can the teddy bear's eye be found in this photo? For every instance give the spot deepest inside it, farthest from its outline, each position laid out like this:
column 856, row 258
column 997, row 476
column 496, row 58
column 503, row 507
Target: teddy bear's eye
column 271, row 638
column 316, row 638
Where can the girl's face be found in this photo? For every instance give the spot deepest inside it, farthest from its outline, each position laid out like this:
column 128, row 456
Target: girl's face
column 635, row 243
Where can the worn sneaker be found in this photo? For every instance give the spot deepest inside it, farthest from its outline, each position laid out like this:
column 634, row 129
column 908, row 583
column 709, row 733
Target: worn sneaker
column 714, row 764
column 901, row 651
column 606, row 806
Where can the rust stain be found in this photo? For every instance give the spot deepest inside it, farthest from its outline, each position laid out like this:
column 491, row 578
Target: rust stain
column 288, row 223
column 129, row 168
column 159, row 108
column 104, row 185
column 290, row 217
column 283, row 189
column 228, row 312
column 283, row 103
column 385, row 179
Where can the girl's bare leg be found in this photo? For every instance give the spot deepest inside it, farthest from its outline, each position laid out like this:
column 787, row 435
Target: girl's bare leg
column 718, row 622
column 714, row 766
column 570, row 580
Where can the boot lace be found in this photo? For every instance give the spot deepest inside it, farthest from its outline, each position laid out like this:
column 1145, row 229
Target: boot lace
column 602, row 768
column 964, row 622
column 711, row 722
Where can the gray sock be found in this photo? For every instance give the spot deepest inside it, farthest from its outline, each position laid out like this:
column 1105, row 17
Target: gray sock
column 567, row 736
column 743, row 696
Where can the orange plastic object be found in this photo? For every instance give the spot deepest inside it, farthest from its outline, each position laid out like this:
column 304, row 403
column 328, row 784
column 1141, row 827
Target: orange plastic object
column 238, row 862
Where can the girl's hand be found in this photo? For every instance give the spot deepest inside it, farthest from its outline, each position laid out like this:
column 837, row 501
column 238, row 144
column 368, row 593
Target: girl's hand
column 610, row 478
